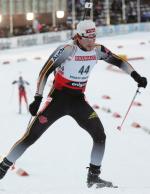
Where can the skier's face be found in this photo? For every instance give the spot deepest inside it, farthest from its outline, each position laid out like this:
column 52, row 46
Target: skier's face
column 87, row 42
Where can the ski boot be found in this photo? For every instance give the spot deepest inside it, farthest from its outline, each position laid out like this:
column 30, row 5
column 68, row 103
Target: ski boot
column 94, row 179
column 4, row 166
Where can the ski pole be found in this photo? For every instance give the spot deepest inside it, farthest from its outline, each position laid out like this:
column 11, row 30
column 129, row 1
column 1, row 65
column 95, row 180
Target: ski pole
column 137, row 91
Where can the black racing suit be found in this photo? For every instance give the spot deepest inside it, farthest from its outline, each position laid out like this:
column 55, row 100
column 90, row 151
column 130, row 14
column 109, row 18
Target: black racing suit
column 71, row 66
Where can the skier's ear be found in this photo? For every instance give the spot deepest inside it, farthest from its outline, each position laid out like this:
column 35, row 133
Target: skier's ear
column 78, row 36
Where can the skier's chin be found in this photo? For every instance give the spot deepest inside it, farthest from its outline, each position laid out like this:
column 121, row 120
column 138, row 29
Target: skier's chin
column 89, row 47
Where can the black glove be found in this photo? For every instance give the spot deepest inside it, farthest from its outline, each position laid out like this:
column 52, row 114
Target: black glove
column 34, row 106
column 142, row 81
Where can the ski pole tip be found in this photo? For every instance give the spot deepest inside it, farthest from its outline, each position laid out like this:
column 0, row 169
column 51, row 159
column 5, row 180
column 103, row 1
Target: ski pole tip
column 119, row 128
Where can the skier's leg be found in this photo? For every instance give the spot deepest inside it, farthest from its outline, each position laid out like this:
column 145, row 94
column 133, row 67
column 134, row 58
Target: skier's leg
column 49, row 114
column 25, row 99
column 20, row 100
column 36, row 128
column 87, row 118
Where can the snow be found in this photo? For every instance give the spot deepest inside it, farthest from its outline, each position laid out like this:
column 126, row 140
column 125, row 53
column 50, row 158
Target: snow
column 57, row 162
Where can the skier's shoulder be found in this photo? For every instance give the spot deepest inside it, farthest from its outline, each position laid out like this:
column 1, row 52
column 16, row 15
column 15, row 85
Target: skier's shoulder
column 102, row 49
column 68, row 46
column 64, row 50
column 97, row 45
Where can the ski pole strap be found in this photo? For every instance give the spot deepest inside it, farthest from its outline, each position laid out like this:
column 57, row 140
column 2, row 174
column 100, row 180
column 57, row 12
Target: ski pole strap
column 138, row 90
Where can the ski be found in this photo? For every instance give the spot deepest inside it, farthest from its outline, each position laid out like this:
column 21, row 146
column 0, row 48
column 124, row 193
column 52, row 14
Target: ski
column 108, row 185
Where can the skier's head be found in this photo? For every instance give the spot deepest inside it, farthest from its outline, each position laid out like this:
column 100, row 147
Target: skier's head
column 20, row 77
column 86, row 34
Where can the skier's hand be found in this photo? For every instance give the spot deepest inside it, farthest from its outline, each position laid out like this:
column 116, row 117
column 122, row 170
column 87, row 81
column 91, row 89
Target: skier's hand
column 34, row 106
column 142, row 81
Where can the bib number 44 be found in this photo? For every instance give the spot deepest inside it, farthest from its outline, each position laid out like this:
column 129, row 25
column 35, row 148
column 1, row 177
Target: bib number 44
column 84, row 69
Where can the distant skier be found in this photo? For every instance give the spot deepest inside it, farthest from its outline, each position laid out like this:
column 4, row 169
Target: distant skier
column 72, row 64
column 21, row 92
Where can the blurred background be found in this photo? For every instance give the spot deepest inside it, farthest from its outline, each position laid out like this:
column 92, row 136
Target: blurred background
column 22, row 17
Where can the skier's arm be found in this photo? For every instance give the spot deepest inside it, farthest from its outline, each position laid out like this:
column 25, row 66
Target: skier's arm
column 106, row 55
column 56, row 59
column 27, row 83
column 58, row 56
column 14, row 82
column 109, row 57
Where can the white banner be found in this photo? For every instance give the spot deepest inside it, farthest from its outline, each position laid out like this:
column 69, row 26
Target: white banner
column 51, row 37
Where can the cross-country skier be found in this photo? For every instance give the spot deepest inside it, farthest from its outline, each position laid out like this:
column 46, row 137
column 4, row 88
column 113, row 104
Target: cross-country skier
column 21, row 91
column 72, row 64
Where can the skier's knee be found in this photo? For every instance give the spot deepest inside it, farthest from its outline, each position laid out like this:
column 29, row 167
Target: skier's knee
column 100, row 139
column 30, row 140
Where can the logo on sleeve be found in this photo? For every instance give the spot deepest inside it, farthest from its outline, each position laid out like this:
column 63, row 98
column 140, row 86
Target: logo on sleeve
column 43, row 119
column 57, row 55
column 93, row 115
column 106, row 50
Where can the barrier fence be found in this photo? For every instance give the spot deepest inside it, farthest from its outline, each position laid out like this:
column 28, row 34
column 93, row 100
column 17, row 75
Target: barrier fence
column 51, row 37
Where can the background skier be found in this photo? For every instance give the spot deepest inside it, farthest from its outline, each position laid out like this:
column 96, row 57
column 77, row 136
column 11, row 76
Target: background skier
column 22, row 94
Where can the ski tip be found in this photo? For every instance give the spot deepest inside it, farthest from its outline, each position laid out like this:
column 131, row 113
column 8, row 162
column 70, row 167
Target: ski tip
column 115, row 186
column 107, row 186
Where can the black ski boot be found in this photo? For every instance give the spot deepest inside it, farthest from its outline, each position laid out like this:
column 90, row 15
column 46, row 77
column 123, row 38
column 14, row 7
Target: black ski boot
column 4, row 166
column 94, row 179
